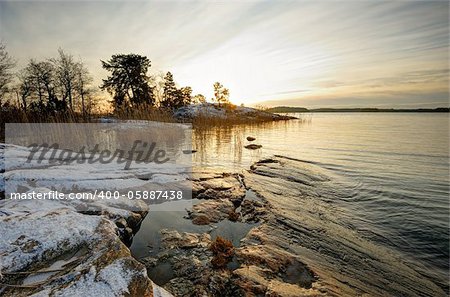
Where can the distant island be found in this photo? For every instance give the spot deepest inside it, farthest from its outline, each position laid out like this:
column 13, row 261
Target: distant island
column 288, row 109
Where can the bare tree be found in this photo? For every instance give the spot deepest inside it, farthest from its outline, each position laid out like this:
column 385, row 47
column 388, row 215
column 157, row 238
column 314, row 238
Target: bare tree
column 24, row 89
column 82, row 87
column 66, row 74
column 41, row 76
column 6, row 65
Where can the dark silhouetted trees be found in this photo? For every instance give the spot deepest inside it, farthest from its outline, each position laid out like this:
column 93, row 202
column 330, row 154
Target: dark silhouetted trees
column 42, row 79
column 199, row 99
column 172, row 96
column 54, row 85
column 221, row 94
column 128, row 82
column 186, row 95
column 6, row 66
column 170, row 92
column 63, row 84
column 83, row 82
column 23, row 89
column 65, row 71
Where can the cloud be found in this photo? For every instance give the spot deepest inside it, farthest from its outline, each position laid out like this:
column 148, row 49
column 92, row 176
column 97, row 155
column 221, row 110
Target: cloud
column 260, row 50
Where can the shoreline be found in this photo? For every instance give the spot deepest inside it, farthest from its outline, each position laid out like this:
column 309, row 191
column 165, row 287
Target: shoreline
column 288, row 109
column 299, row 247
column 295, row 245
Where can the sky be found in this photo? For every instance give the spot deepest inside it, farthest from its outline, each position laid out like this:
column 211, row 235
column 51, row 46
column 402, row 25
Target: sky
column 296, row 53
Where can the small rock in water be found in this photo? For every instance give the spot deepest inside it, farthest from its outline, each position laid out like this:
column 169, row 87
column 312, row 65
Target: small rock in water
column 250, row 138
column 253, row 146
column 201, row 220
column 186, row 152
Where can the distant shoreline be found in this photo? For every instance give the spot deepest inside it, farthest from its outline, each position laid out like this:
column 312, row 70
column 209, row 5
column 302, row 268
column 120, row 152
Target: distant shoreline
column 287, row 109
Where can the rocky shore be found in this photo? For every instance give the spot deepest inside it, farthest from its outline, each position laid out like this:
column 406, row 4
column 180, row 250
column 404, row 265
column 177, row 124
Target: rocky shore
column 297, row 243
column 52, row 249
column 227, row 112
column 301, row 246
column 69, row 247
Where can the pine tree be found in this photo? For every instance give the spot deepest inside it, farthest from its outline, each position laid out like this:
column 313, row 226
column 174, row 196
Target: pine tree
column 221, row 94
column 171, row 94
column 128, row 83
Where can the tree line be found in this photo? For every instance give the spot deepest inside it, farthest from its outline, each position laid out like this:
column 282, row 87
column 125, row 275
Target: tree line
column 64, row 84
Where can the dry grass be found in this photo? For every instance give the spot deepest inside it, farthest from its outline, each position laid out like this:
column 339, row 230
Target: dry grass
column 145, row 112
column 206, row 121
column 223, row 251
column 17, row 115
column 11, row 114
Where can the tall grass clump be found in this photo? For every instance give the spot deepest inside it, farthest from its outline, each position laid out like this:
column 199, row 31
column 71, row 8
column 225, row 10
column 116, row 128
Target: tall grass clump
column 12, row 114
column 145, row 112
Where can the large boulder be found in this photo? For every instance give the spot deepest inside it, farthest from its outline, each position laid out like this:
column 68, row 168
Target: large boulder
column 51, row 249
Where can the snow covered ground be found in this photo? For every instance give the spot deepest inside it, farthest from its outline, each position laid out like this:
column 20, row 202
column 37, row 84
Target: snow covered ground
column 209, row 110
column 73, row 247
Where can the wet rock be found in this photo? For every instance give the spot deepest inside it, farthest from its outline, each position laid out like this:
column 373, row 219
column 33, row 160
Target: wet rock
column 188, row 257
column 202, row 175
column 235, row 195
column 104, row 265
column 121, row 223
column 182, row 287
column 253, row 211
column 221, row 283
column 197, row 188
column 187, row 152
column 218, row 186
column 304, row 246
column 233, row 216
column 188, row 265
column 201, row 219
column 220, row 183
column 149, row 262
column 172, row 239
column 253, row 146
column 211, row 211
column 257, row 281
column 279, row 263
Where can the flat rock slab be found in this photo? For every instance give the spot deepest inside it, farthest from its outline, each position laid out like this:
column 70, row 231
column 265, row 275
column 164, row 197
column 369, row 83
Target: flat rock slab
column 306, row 237
column 218, row 186
column 36, row 240
column 211, row 211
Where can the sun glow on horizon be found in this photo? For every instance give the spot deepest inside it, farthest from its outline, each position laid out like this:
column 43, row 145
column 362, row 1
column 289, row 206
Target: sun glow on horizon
column 255, row 73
